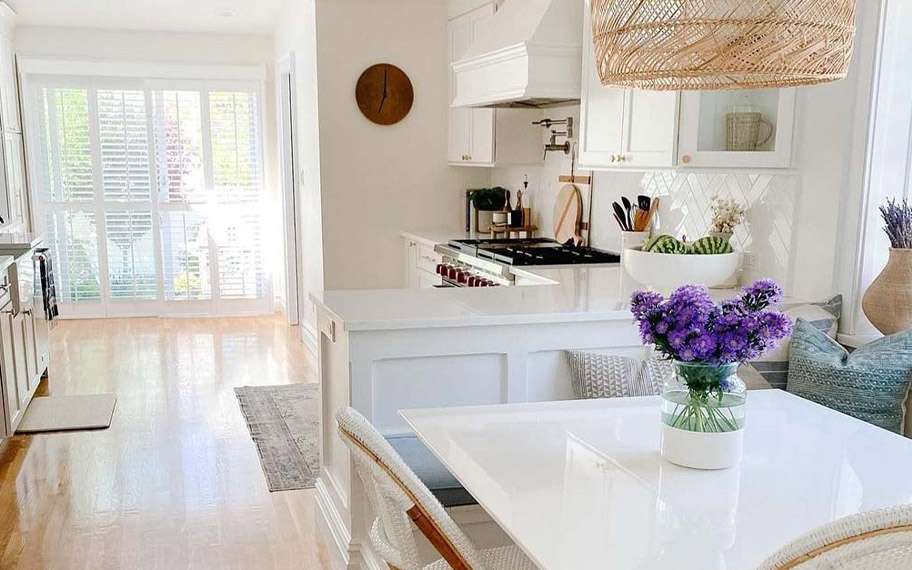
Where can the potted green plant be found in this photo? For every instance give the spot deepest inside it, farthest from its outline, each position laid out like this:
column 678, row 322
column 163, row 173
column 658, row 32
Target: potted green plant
column 486, row 201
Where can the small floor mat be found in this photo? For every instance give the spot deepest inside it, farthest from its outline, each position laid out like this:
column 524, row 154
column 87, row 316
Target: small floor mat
column 67, row 413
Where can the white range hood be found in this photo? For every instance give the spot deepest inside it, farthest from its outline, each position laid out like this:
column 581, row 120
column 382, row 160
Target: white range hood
column 528, row 55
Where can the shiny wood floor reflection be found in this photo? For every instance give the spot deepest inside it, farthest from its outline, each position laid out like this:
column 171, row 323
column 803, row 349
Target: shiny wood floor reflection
column 175, row 482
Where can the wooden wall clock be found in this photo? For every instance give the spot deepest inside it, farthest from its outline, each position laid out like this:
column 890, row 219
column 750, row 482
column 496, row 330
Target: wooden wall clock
column 384, row 94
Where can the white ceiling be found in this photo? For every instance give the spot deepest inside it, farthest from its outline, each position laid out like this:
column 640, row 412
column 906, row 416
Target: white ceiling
column 248, row 16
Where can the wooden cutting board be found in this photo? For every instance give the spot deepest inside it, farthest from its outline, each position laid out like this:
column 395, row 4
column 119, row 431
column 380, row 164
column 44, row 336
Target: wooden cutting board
column 568, row 213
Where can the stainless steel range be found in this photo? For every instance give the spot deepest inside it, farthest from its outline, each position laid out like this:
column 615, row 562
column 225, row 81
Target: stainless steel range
column 487, row 262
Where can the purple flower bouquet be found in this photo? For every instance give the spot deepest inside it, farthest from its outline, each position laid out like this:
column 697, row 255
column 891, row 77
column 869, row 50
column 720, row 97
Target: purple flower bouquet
column 706, row 341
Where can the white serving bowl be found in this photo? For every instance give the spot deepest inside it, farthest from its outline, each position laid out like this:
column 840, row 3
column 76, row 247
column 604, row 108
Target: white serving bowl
column 671, row 270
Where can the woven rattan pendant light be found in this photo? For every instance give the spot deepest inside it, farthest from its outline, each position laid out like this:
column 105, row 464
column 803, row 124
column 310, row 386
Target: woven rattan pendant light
column 721, row 44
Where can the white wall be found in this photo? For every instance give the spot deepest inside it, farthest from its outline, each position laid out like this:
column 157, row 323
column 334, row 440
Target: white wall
column 297, row 34
column 376, row 179
column 115, row 45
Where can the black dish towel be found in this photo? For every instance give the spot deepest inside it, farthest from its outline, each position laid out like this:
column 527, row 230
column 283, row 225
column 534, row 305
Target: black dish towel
column 48, row 288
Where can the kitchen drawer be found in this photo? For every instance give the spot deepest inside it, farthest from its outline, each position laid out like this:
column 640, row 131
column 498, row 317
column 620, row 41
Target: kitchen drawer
column 4, row 289
column 427, row 259
column 428, row 280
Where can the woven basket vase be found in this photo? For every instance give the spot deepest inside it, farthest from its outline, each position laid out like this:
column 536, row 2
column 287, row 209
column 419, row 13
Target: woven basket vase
column 721, row 44
column 888, row 301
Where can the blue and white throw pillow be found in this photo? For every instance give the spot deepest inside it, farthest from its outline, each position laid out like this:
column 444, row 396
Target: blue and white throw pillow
column 774, row 366
column 870, row 384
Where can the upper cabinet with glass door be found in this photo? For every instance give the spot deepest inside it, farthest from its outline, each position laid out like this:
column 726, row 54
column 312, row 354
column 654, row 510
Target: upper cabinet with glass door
column 736, row 129
column 635, row 129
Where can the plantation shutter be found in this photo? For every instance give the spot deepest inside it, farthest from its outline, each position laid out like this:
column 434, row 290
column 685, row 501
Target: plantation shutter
column 150, row 194
column 124, row 142
column 66, row 159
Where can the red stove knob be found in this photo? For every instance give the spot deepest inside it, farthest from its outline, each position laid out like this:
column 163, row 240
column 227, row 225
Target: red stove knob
column 451, row 272
column 474, row 281
column 461, row 277
column 441, row 269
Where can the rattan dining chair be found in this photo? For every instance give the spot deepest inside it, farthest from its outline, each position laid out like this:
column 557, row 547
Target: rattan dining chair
column 876, row 540
column 397, row 497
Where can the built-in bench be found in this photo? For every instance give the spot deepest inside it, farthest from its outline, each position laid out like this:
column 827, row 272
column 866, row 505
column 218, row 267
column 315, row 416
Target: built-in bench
column 431, row 471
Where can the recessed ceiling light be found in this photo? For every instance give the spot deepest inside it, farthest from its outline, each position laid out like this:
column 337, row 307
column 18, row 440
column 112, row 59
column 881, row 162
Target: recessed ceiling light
column 226, row 13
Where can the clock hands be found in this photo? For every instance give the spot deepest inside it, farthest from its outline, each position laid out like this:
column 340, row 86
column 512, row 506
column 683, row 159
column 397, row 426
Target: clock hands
column 383, row 99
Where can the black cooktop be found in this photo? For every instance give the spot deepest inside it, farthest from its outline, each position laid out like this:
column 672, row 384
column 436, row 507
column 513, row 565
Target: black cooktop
column 533, row 251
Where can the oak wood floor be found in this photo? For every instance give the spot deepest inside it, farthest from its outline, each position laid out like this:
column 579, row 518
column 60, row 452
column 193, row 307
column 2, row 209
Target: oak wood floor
column 175, row 482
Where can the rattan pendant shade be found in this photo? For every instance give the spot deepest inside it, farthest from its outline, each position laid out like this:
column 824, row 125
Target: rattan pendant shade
column 673, row 45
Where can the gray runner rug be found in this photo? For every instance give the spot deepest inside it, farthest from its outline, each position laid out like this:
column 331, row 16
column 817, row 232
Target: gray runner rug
column 284, row 422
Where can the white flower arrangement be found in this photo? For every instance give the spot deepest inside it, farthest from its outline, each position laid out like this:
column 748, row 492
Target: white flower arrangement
column 727, row 214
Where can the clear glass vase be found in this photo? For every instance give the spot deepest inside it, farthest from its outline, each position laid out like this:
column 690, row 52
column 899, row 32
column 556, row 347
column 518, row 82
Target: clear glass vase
column 704, row 398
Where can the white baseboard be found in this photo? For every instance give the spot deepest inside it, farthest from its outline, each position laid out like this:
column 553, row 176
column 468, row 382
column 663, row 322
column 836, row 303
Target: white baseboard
column 309, row 337
column 333, row 520
column 351, row 554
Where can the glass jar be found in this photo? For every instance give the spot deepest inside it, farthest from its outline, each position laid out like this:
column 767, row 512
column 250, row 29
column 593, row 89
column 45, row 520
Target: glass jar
column 704, row 398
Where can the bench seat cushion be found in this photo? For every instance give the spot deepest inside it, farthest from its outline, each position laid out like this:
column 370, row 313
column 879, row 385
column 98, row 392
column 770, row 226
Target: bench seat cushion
column 431, row 472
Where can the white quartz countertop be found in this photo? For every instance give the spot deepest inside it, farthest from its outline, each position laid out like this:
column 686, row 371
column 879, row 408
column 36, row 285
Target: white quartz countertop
column 580, row 294
column 567, row 294
column 6, row 261
column 18, row 242
column 432, row 237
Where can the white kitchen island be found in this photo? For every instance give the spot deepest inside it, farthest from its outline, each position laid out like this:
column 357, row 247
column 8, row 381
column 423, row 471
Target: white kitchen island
column 381, row 351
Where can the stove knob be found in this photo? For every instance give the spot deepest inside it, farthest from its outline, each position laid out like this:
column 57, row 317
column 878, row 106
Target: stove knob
column 486, row 283
column 472, row 281
column 461, row 277
column 451, row 272
column 441, row 269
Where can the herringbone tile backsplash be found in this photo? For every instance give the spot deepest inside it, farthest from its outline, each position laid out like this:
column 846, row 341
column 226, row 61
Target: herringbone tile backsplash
column 766, row 235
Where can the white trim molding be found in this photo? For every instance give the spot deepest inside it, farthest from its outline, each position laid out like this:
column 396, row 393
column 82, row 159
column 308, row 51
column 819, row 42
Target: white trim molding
column 881, row 159
column 39, row 66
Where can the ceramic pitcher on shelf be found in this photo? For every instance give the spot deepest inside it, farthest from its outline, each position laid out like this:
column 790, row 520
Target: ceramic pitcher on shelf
column 745, row 128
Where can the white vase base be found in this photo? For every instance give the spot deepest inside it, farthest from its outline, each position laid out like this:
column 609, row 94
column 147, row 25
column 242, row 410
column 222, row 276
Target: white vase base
column 698, row 450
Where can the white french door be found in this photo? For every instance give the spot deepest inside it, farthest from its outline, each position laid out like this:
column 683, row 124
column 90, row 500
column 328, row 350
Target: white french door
column 150, row 193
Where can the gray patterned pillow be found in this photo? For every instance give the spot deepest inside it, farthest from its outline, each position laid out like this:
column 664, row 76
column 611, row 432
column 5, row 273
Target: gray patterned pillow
column 870, row 384
column 612, row 376
column 774, row 366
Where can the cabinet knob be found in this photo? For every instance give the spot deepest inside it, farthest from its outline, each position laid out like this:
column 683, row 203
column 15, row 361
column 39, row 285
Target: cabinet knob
column 614, row 158
column 686, row 159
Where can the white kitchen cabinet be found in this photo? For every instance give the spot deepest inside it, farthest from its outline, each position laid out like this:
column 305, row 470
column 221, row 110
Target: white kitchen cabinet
column 10, row 411
column 632, row 129
column 14, row 372
column 471, row 131
column 623, row 128
column 704, row 128
column 428, row 280
column 9, row 88
column 15, row 181
column 421, row 265
column 13, row 196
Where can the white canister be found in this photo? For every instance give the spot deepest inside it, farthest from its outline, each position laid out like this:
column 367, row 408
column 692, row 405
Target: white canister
column 630, row 240
column 499, row 218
